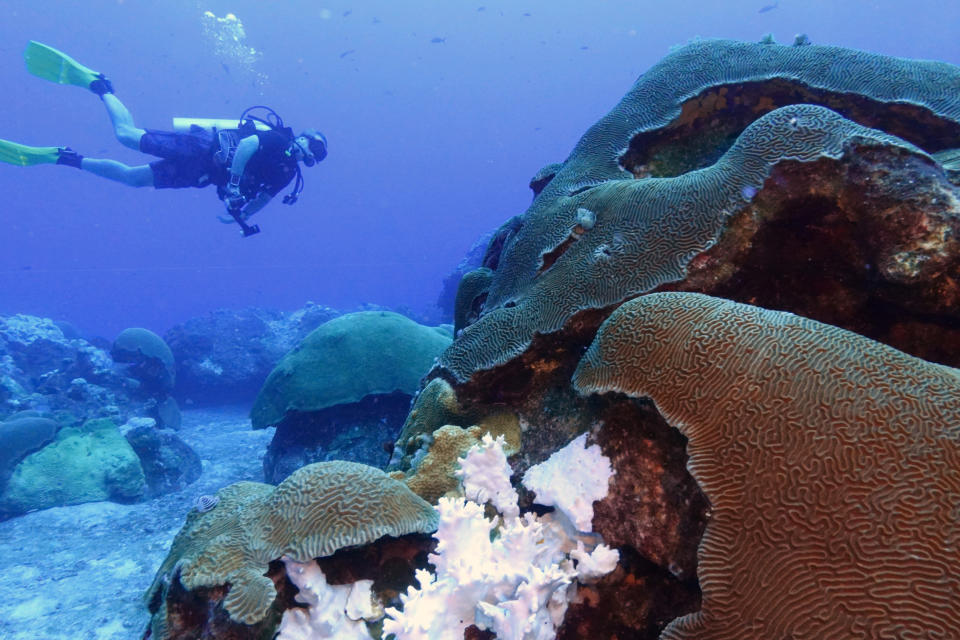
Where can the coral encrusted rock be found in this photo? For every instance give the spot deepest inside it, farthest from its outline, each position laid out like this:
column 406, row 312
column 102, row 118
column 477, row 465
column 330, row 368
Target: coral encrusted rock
column 829, row 460
column 318, row 510
column 793, row 177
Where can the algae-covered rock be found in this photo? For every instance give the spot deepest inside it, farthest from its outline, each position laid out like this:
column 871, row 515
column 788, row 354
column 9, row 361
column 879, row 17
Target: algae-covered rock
column 347, row 359
column 85, row 464
column 20, row 436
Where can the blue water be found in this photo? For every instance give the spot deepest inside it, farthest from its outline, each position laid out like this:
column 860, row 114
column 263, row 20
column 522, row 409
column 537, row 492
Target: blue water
column 437, row 113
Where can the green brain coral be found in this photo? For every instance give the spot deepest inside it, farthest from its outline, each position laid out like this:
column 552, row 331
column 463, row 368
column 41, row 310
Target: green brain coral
column 711, row 121
column 346, row 359
column 643, row 234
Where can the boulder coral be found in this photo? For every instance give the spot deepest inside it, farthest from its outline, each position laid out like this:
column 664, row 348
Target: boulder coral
column 150, row 359
column 830, row 462
column 345, row 360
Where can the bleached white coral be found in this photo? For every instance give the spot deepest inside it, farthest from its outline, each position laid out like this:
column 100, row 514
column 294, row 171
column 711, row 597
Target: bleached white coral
column 513, row 575
column 336, row 611
column 571, row 480
column 485, row 475
column 593, row 565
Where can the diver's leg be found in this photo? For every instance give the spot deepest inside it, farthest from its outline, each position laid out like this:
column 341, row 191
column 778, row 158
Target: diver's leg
column 127, row 133
column 141, row 176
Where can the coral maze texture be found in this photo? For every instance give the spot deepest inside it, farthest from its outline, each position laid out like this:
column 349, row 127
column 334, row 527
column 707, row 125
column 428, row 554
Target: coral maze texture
column 317, row 510
column 832, row 464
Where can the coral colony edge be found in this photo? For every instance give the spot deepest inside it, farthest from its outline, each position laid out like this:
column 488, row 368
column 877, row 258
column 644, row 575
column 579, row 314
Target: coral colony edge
column 705, row 386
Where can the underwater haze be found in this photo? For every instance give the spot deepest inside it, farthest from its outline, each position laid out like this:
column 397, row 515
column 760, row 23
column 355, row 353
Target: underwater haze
column 437, row 114
column 718, row 351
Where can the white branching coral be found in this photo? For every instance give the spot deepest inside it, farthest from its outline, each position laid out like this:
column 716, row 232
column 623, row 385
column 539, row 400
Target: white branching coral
column 485, row 475
column 571, row 480
column 335, row 611
column 511, row 575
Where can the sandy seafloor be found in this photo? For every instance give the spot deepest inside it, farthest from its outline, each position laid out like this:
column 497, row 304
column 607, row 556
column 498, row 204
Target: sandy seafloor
column 80, row 572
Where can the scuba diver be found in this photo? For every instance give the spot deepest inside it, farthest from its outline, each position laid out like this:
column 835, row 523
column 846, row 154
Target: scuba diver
column 251, row 159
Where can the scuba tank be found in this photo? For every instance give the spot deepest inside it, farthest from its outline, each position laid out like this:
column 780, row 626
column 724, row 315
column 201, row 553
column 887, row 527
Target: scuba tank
column 186, row 125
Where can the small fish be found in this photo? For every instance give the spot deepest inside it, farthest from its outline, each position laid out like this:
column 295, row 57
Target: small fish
column 438, row 40
column 481, row 8
column 769, row 7
column 346, row 53
column 225, row 67
column 527, row 14
column 584, row 48
column 347, row 12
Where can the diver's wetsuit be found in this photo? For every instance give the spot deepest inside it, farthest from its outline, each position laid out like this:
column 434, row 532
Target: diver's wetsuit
column 188, row 161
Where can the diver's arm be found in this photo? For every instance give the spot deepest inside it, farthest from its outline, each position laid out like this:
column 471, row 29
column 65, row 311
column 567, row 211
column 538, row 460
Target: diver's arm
column 245, row 150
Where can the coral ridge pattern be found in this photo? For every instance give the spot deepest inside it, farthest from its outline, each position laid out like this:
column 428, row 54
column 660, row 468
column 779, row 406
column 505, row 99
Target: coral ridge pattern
column 832, row 464
column 646, row 231
column 319, row 509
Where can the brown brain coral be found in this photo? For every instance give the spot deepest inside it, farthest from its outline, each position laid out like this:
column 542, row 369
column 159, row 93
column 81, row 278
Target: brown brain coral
column 319, row 509
column 832, row 464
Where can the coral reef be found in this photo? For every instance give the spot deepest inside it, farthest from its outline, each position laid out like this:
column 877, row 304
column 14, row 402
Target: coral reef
column 21, row 436
column 42, row 369
column 808, row 179
column 169, row 464
column 717, row 468
column 345, row 360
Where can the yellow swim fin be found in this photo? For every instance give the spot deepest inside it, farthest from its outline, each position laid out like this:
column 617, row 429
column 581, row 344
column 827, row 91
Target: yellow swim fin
column 48, row 63
column 24, row 156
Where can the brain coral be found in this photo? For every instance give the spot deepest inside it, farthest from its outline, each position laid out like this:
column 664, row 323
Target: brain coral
column 319, row 509
column 698, row 102
column 832, row 464
column 346, row 359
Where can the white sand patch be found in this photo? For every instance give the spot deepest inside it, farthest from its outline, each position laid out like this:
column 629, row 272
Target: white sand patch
column 35, row 607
